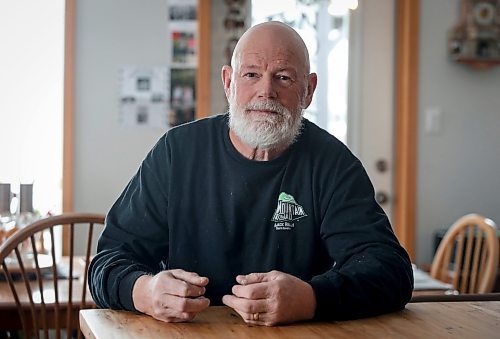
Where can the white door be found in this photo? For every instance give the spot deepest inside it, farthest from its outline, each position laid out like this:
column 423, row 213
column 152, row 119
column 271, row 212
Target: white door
column 370, row 131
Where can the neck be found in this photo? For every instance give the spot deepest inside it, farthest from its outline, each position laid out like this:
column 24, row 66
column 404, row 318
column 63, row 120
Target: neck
column 254, row 153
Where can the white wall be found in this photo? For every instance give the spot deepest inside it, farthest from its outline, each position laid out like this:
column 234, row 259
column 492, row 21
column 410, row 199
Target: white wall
column 459, row 168
column 110, row 34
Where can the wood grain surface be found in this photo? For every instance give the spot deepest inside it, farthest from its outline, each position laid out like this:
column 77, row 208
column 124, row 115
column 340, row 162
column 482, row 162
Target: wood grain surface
column 422, row 320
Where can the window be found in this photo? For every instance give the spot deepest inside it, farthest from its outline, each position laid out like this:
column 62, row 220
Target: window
column 325, row 31
column 31, row 100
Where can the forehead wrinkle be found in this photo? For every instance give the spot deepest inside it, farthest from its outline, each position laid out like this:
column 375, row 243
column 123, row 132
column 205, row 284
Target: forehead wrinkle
column 273, row 63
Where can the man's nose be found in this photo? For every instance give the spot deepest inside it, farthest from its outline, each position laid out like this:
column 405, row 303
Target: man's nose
column 267, row 88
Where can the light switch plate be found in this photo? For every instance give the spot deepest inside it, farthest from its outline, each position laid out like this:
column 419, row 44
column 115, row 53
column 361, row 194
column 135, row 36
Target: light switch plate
column 433, row 121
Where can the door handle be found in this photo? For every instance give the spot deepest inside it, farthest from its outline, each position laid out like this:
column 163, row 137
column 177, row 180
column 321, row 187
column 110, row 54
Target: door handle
column 382, row 197
column 381, row 165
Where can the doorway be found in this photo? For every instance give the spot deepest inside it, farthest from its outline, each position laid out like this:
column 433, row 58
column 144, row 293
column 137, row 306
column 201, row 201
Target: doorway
column 355, row 48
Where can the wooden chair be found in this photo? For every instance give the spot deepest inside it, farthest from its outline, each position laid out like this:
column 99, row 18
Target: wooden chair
column 467, row 257
column 48, row 289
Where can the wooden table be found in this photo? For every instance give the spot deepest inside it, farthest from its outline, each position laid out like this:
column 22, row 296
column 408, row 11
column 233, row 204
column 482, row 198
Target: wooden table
column 422, row 320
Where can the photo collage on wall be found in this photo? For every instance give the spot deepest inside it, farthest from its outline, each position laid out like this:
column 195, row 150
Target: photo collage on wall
column 143, row 96
column 182, row 40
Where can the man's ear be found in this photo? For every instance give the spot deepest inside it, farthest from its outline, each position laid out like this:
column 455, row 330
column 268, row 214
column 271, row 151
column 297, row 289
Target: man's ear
column 312, row 81
column 226, row 73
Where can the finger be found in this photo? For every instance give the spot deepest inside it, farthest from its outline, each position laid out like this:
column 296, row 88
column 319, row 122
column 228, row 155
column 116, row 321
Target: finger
column 170, row 315
column 231, row 301
column 181, row 288
column 189, row 277
column 184, row 305
column 260, row 319
column 245, row 305
column 252, row 291
column 253, row 278
column 183, row 317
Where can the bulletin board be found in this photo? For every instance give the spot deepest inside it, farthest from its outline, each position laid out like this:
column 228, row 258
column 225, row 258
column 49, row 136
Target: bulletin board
column 165, row 96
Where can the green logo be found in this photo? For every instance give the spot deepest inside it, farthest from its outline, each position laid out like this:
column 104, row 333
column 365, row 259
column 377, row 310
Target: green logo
column 288, row 209
column 286, row 198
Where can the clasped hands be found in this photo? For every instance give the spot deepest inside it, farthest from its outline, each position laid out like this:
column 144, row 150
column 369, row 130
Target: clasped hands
column 268, row 299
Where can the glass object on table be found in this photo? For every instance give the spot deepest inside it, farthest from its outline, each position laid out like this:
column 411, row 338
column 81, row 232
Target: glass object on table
column 26, row 214
column 7, row 218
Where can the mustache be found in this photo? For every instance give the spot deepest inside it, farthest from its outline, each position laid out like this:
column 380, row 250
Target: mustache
column 268, row 105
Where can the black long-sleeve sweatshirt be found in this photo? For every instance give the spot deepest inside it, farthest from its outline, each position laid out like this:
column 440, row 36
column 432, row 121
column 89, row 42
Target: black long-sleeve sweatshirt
column 197, row 204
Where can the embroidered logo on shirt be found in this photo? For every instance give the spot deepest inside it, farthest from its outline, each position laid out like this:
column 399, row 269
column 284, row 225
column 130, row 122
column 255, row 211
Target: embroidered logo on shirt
column 287, row 211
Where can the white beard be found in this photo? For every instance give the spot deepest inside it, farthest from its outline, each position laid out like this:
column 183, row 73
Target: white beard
column 265, row 131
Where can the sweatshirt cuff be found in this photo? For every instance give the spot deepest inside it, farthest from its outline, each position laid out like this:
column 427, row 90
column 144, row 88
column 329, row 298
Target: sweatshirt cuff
column 326, row 289
column 125, row 289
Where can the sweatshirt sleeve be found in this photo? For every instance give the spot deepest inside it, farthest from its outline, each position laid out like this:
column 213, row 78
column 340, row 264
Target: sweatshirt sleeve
column 370, row 273
column 135, row 238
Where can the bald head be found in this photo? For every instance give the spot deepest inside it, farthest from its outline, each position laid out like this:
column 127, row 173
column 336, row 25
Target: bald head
column 283, row 39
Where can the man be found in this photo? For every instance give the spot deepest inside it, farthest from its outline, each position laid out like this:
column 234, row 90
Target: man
column 259, row 209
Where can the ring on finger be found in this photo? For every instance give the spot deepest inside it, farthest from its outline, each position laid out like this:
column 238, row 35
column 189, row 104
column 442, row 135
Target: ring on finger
column 255, row 316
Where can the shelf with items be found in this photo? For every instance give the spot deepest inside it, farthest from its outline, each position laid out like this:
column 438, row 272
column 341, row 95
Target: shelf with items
column 475, row 40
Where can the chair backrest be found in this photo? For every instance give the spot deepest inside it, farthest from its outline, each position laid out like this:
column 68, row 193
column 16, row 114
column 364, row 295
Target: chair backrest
column 467, row 257
column 48, row 289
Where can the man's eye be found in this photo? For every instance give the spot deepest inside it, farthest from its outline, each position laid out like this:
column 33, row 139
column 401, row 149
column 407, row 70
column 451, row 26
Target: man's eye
column 250, row 75
column 284, row 77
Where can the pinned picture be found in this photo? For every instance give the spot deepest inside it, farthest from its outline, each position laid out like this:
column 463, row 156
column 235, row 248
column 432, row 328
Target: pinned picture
column 182, row 10
column 184, row 47
column 144, row 96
